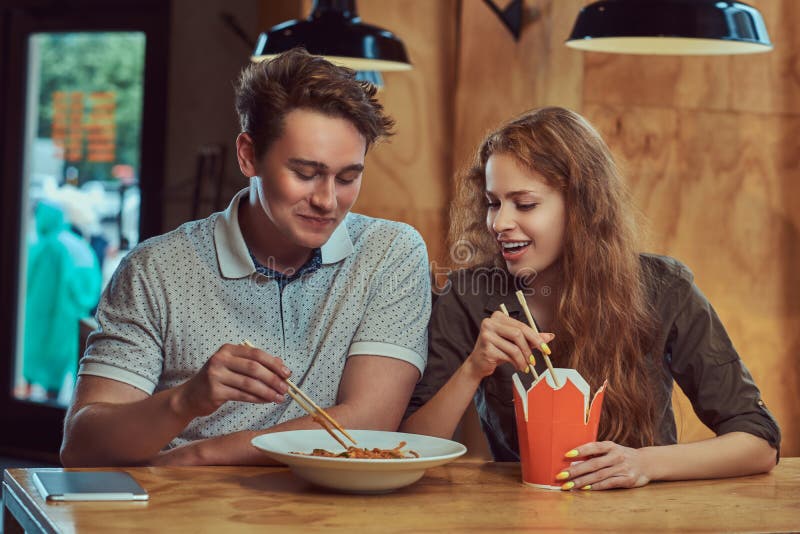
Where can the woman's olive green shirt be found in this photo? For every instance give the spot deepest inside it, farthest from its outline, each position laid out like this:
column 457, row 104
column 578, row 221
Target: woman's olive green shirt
column 691, row 348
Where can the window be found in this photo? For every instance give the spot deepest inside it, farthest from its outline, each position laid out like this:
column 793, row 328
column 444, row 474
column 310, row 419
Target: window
column 80, row 181
column 82, row 143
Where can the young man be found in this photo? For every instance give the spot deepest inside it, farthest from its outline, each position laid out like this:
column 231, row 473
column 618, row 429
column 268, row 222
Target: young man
column 338, row 301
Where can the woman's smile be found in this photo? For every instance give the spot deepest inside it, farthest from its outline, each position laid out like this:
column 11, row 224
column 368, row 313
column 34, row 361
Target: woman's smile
column 513, row 250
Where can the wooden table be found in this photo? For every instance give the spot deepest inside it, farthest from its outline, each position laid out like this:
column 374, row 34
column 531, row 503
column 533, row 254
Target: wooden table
column 462, row 496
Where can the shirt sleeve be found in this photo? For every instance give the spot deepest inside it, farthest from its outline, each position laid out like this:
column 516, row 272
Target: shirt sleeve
column 127, row 344
column 395, row 321
column 710, row 372
column 450, row 340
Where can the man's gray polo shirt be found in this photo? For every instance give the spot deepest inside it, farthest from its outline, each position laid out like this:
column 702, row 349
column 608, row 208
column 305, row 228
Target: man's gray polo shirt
column 177, row 298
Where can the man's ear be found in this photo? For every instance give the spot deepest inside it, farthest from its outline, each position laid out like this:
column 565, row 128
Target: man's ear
column 246, row 154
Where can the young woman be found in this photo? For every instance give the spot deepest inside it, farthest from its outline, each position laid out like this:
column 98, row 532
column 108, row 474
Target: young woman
column 544, row 210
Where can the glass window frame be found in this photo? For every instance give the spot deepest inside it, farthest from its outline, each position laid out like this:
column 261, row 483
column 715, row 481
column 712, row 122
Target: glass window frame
column 29, row 429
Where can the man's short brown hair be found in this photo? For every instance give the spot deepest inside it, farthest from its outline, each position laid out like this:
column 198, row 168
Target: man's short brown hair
column 267, row 91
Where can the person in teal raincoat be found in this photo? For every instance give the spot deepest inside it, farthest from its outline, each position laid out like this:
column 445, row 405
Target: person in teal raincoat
column 63, row 285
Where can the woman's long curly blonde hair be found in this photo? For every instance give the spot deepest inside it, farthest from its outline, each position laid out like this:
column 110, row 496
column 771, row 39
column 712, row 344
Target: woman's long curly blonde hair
column 603, row 321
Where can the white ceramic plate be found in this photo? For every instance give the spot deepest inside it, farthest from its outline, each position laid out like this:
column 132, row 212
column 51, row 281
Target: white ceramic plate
column 358, row 475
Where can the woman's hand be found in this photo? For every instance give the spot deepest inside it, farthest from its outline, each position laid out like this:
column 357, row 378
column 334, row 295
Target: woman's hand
column 503, row 339
column 606, row 465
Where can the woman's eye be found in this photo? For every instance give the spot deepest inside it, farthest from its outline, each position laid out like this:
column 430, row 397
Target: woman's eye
column 526, row 207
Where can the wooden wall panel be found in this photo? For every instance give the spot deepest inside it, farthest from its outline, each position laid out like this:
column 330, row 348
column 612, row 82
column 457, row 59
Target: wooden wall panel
column 407, row 178
column 761, row 83
column 770, row 83
column 716, row 188
column 711, row 148
column 499, row 77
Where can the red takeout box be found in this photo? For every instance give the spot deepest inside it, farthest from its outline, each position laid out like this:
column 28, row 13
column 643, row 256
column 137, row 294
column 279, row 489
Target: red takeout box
column 552, row 421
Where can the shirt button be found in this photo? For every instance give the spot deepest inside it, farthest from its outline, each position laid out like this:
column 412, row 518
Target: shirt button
column 760, row 402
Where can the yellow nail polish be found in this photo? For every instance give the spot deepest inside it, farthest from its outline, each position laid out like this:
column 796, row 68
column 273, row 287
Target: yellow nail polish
column 562, row 475
column 532, row 359
column 568, row 486
column 587, row 487
column 572, row 454
column 526, row 371
column 545, row 348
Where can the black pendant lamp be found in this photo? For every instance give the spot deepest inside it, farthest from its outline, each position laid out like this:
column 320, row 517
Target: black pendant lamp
column 335, row 31
column 670, row 27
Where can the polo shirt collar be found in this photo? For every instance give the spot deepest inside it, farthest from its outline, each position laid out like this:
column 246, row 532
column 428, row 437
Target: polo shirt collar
column 339, row 245
column 232, row 252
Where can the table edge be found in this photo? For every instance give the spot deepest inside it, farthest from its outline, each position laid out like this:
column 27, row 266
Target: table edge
column 15, row 496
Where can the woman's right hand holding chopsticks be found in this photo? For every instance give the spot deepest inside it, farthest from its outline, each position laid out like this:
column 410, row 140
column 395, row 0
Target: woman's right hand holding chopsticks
column 233, row 373
column 503, row 339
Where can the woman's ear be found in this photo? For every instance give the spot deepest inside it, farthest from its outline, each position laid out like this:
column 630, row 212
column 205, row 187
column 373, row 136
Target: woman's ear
column 246, row 154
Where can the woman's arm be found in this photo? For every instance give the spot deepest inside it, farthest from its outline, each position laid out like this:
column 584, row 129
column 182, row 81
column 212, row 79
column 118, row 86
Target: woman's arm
column 440, row 416
column 501, row 340
column 609, row 465
column 730, row 455
column 704, row 363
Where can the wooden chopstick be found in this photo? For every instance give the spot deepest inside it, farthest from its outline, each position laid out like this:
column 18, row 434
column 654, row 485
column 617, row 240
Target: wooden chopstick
column 321, row 422
column 545, row 348
column 531, row 359
column 320, row 411
column 314, row 410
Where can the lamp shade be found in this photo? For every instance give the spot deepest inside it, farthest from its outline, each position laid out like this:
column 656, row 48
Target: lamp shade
column 677, row 27
column 335, row 31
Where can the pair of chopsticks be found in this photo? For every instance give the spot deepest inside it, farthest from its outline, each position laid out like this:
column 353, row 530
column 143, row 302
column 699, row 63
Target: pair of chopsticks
column 531, row 359
column 319, row 415
column 545, row 349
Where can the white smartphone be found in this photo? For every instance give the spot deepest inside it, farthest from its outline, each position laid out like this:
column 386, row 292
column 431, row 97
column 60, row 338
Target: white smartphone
column 88, row 486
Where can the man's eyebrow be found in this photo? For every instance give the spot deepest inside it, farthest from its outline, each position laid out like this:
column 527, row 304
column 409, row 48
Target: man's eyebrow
column 309, row 163
column 319, row 166
column 354, row 167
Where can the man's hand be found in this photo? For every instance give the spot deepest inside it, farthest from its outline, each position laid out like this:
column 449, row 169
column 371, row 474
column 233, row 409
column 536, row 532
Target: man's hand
column 233, row 373
column 373, row 395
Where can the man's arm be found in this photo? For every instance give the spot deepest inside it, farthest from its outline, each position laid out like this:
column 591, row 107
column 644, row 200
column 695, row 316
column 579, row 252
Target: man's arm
column 373, row 395
column 113, row 423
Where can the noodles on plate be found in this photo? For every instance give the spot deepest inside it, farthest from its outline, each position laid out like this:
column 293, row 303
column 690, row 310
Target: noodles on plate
column 364, row 453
